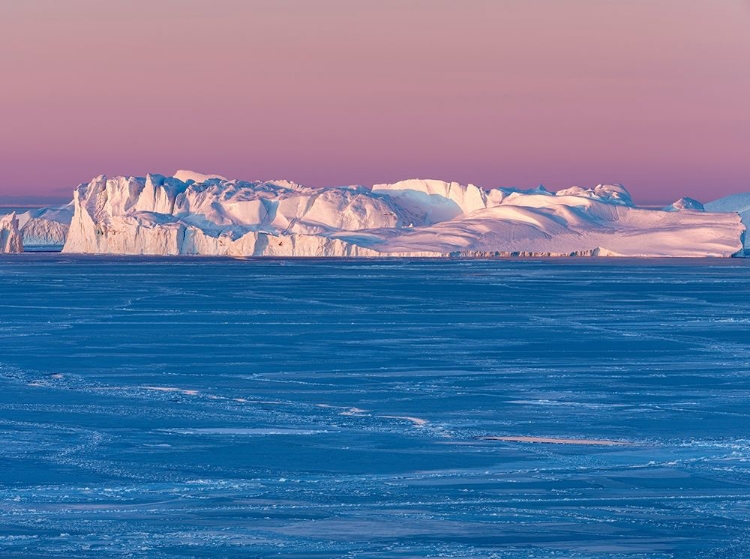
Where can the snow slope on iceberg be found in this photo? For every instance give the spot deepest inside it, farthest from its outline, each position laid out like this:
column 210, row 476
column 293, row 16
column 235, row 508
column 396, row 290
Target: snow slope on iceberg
column 567, row 225
column 191, row 213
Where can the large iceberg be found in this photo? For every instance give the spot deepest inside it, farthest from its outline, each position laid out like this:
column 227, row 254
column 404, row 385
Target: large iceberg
column 10, row 236
column 192, row 213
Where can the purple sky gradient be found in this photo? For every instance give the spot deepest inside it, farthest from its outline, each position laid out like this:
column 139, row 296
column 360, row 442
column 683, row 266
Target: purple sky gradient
column 651, row 93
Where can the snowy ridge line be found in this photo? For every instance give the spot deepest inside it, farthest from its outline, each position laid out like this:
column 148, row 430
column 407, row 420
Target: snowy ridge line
column 195, row 214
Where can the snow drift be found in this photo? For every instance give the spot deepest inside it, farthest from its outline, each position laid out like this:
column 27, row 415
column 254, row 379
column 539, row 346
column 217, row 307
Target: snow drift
column 191, row 213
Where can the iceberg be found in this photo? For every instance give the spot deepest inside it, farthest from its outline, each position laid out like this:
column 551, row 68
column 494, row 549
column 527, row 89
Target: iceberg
column 10, row 236
column 685, row 204
column 200, row 214
column 735, row 203
column 45, row 228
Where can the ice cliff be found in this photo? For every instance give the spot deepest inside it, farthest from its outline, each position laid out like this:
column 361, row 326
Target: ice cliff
column 10, row 236
column 191, row 213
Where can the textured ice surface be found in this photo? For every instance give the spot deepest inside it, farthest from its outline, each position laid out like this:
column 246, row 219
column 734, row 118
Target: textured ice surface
column 157, row 408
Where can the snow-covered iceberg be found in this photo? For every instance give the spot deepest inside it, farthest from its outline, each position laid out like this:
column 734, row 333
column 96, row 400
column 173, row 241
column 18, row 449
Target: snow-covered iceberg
column 191, row 213
column 10, row 236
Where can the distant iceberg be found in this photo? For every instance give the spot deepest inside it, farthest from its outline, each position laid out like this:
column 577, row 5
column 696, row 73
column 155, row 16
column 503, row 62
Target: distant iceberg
column 45, row 228
column 194, row 213
column 685, row 204
column 10, row 236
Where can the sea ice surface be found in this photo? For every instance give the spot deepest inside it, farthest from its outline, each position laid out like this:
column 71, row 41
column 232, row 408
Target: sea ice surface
column 180, row 407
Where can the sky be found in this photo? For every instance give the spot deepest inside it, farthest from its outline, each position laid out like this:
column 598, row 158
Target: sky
column 653, row 94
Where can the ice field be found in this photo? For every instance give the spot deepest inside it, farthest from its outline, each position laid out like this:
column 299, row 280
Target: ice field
column 199, row 407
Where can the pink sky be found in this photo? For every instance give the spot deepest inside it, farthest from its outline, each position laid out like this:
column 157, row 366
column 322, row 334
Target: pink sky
column 654, row 94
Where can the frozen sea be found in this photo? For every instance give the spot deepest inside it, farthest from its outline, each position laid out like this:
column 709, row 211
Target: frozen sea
column 197, row 407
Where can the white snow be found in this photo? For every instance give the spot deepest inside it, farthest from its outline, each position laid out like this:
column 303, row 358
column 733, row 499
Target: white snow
column 10, row 236
column 431, row 201
column 191, row 213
